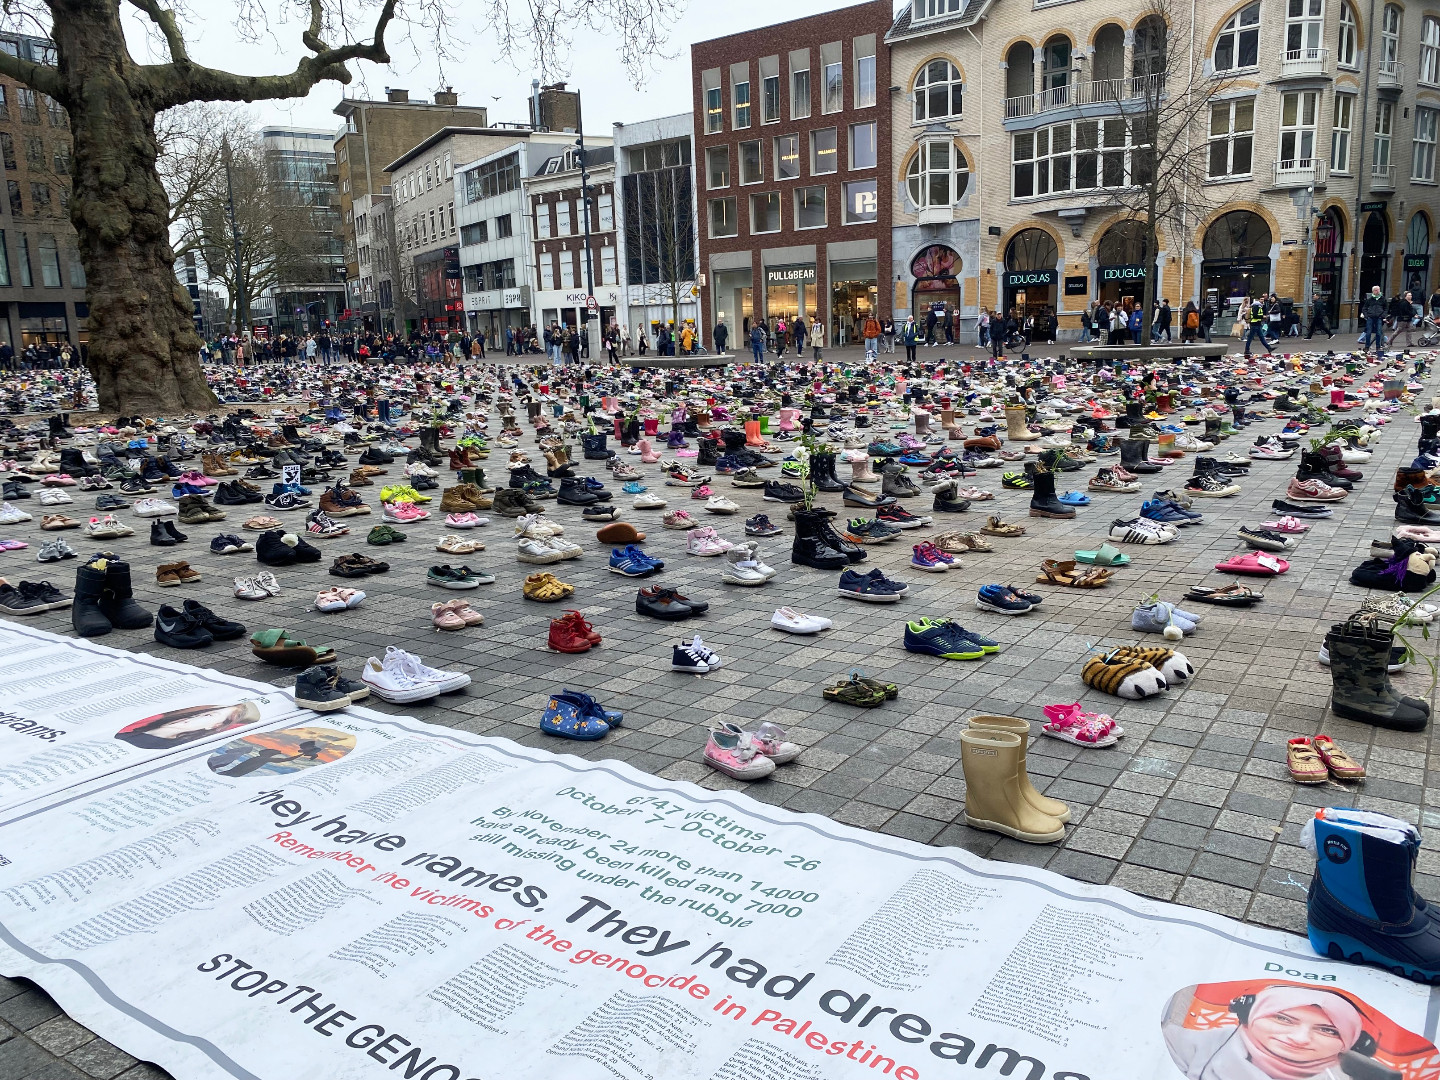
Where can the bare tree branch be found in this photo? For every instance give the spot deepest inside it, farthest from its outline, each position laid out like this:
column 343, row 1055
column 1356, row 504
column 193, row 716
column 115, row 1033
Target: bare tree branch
column 36, row 76
column 164, row 20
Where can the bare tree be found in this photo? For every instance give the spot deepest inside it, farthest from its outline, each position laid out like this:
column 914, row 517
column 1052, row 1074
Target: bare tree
column 191, row 140
column 280, row 239
column 1162, row 106
column 660, row 227
column 144, row 351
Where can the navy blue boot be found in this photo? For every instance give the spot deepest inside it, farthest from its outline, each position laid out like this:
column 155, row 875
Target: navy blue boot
column 1361, row 906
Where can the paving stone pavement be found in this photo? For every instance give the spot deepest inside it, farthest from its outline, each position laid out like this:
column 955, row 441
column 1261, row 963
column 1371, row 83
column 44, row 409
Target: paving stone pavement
column 1193, row 806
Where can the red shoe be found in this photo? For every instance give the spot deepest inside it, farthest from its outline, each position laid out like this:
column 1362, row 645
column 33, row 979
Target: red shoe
column 565, row 638
column 581, row 626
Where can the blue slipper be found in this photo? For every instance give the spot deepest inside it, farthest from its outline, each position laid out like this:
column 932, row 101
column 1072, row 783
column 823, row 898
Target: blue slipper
column 1074, row 498
column 563, row 717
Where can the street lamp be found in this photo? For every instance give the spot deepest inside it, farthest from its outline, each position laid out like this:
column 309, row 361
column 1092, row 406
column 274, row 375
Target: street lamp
column 241, row 311
column 592, row 337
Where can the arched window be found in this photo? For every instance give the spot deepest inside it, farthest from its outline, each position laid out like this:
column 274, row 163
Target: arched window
column 1417, row 236
column 1108, row 63
column 938, row 174
column 1430, row 50
column 1055, row 73
column 1150, row 47
column 1237, row 235
column 938, row 91
column 1031, row 249
column 1238, row 45
column 1124, row 244
column 1304, row 25
column 1020, row 79
column 1347, row 43
column 1390, row 41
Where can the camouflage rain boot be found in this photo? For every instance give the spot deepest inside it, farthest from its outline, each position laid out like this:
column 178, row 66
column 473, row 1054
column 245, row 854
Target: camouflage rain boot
column 1359, row 656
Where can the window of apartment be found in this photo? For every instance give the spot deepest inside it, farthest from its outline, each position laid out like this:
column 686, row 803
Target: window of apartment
column 770, row 99
column 765, row 212
column 752, row 167
column 542, row 221
column 450, row 216
column 800, row 91
column 717, row 167
column 833, row 71
column 7, row 149
column 429, row 177
column 605, row 205
column 609, row 269
column 50, row 262
column 938, row 174
column 1232, row 138
column 862, row 146
column 4, row 110
column 35, row 151
column 29, row 108
column 724, row 221
column 1390, row 40
column 562, row 219
column 547, row 271
column 1340, row 134
column 567, row 270
column 1298, row 113
column 741, row 92
column 5, row 263
column 27, row 279
column 862, row 201
column 939, row 93
column 1345, row 41
column 40, row 197
column 477, row 233
column 1384, row 128
column 810, row 207
column 933, row 9
column 1430, row 50
column 1082, row 156
column 1304, row 27
column 714, row 111
column 504, row 226
column 865, row 72
column 1238, row 45
column 1422, row 157
column 434, row 225
column 824, row 157
column 787, row 157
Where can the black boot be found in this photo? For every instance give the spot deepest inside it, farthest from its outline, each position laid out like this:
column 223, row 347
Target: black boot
column 708, row 456
column 1412, row 509
column 734, row 440
column 810, row 547
column 1429, row 425
column 822, row 472
column 86, row 616
column 1133, row 455
column 119, row 604
column 595, row 447
column 851, row 550
column 57, row 428
column 1134, row 416
column 159, row 536
column 72, row 461
column 1043, row 502
column 1359, row 658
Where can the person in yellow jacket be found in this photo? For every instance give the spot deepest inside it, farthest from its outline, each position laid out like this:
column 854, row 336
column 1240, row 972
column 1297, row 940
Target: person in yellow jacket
column 687, row 340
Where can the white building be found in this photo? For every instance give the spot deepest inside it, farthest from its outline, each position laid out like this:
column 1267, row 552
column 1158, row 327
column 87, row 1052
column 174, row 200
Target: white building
column 658, row 245
column 559, row 219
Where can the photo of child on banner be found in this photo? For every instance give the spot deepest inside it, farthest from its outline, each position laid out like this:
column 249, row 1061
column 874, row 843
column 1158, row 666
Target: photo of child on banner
column 1286, row 1030
column 179, row 726
column 274, row 753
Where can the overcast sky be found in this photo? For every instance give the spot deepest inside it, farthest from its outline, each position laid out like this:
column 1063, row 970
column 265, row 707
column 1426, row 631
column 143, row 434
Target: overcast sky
column 479, row 79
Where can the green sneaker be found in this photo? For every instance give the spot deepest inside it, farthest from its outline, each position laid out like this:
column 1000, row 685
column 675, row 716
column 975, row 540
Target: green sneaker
column 381, row 535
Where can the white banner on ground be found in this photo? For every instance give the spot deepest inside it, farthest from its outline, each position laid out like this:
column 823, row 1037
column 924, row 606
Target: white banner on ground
column 73, row 710
column 359, row 896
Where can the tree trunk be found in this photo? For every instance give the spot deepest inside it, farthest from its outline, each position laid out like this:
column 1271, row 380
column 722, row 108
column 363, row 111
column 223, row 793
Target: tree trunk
column 143, row 349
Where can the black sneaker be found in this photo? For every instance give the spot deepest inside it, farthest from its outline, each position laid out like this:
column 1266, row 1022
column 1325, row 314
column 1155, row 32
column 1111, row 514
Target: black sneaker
column 262, row 472
column 318, row 689
column 761, row 525
column 111, row 502
column 135, row 487
column 777, row 491
column 271, row 550
column 15, row 602
column 1280, row 506
column 898, row 516
column 47, row 593
column 599, row 512
column 180, row 629
column 871, row 531
column 220, row 629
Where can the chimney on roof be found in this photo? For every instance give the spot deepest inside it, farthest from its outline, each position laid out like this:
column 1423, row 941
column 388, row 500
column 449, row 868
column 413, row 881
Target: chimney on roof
column 397, row 96
column 446, row 97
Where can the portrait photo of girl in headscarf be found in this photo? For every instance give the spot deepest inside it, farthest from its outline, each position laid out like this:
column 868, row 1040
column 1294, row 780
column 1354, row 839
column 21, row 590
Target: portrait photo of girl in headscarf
column 175, row 727
column 1281, row 1030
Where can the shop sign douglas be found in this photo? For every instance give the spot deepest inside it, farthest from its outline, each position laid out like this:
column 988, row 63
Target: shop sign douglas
column 362, row 896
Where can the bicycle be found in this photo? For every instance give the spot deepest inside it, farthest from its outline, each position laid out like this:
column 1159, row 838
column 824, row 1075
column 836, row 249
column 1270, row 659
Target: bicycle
column 1015, row 341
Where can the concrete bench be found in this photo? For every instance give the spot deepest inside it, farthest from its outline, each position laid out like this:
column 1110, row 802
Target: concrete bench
column 1209, row 351
column 702, row 360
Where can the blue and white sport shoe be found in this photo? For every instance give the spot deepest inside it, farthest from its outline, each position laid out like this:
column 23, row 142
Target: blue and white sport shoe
column 634, row 487
column 871, row 590
column 1002, row 599
column 631, row 563
column 1166, row 511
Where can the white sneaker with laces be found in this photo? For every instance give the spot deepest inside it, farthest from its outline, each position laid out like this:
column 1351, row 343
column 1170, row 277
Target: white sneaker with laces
column 646, row 501
column 390, row 683
column 797, row 622
column 568, row 549
column 12, row 515
column 719, row 504
column 536, row 551
column 412, row 666
column 246, row 589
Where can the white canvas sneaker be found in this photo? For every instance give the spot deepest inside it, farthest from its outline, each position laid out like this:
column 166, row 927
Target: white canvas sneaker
column 393, row 685
column 412, row 666
column 797, row 622
column 536, row 551
column 12, row 515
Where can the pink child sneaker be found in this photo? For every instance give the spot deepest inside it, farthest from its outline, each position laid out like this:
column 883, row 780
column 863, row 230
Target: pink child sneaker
column 735, row 754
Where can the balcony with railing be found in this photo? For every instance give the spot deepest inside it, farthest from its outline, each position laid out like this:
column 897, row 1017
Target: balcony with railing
column 1300, row 63
column 1389, row 75
column 1301, row 173
column 1382, row 177
column 1093, row 92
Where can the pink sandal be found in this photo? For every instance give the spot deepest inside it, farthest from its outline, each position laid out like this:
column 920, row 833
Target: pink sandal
column 1258, row 563
column 1069, row 724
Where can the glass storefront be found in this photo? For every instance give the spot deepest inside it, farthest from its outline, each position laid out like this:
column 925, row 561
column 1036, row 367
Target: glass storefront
column 734, row 302
column 1327, row 267
column 854, row 296
column 1374, row 253
column 790, row 292
column 1417, row 256
column 936, row 273
column 1236, row 262
column 1123, row 260
column 1031, row 276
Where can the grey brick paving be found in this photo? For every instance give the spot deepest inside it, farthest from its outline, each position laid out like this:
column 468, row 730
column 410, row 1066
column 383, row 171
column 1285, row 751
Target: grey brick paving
column 1194, row 805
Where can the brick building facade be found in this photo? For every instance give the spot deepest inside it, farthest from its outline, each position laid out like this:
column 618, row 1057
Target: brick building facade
column 792, row 159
